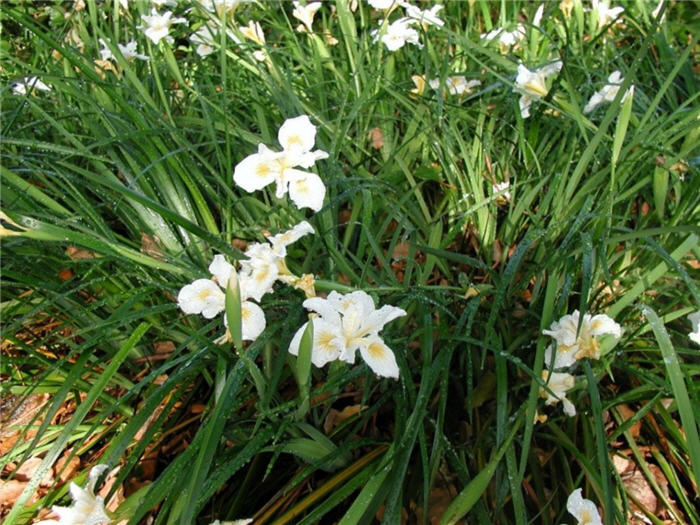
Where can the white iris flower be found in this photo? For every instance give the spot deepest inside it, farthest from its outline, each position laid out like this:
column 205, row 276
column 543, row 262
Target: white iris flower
column 506, row 39
column 305, row 13
column 425, row 17
column 604, row 13
column 127, row 50
column 87, row 509
column 157, row 26
column 607, row 93
column 398, row 34
column 559, row 384
column 572, row 344
column 29, row 84
column 584, row 510
column 347, row 323
column 533, row 84
column 457, row 85
column 297, row 137
column 208, row 298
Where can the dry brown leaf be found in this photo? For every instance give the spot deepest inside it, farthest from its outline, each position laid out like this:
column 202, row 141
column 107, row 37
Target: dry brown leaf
column 376, row 137
column 336, row 417
column 164, row 347
column 401, row 250
column 66, row 468
column 28, row 469
column 638, row 487
column 627, row 413
column 152, row 246
column 10, row 491
column 79, row 253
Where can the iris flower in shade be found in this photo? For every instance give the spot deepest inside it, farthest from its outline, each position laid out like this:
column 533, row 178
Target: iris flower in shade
column 573, row 344
column 584, row 510
column 305, row 14
column 559, row 384
column 127, row 50
column 607, row 93
column 604, row 13
column 695, row 334
column 347, row 323
column 87, row 509
column 533, row 84
column 157, row 27
column 297, row 137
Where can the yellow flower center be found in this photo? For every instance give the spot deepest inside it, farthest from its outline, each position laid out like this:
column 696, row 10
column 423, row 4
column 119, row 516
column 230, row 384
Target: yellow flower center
column 325, row 340
column 376, row 350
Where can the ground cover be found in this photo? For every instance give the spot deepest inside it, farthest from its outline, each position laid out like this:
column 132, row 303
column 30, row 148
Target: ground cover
column 349, row 262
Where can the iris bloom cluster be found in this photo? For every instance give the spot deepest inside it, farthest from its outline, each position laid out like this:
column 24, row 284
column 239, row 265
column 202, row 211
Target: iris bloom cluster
column 297, row 137
column 402, row 31
column 346, row 323
column 572, row 344
column 258, row 273
column 87, row 509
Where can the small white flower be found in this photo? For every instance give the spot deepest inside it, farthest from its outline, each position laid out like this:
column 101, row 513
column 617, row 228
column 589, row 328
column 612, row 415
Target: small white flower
column 297, row 137
column 506, row 39
column 127, row 50
column 559, row 384
column 398, row 34
column 572, row 344
column 604, row 13
column 457, row 85
column 533, row 84
column 695, row 334
column 157, row 26
column 305, row 13
column 607, row 93
column 87, row 509
column 584, row 510
column 348, row 323
column 29, row 84
column 424, row 17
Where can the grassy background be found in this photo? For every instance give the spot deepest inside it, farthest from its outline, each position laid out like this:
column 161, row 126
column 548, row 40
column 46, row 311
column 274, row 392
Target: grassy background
column 123, row 181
